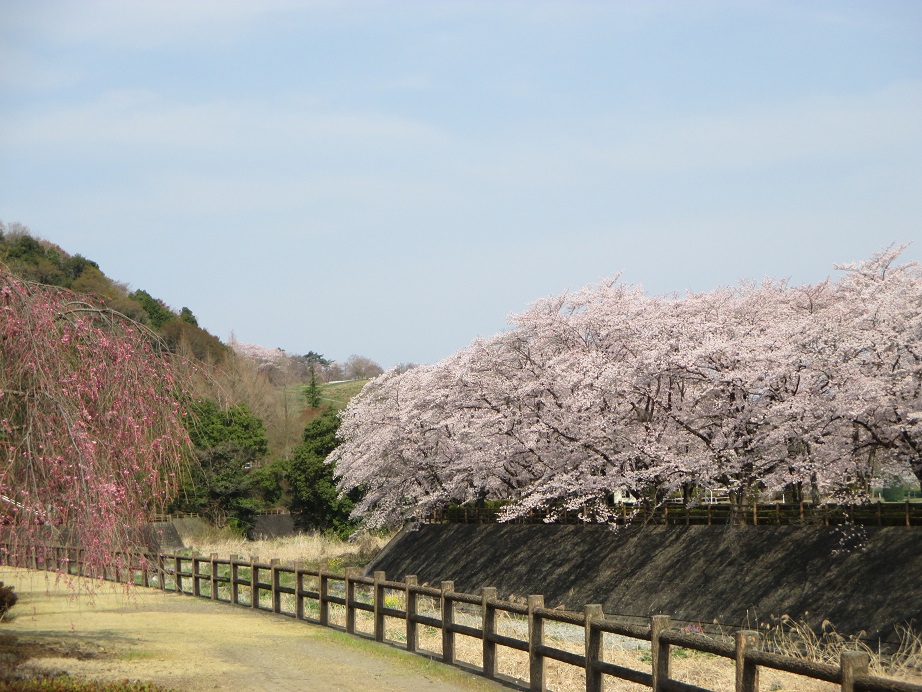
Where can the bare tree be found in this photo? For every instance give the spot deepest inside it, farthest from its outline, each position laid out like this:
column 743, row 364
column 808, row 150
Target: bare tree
column 361, row 368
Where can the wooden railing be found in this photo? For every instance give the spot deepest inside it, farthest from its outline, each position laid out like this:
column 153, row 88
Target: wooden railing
column 769, row 513
column 161, row 518
column 261, row 586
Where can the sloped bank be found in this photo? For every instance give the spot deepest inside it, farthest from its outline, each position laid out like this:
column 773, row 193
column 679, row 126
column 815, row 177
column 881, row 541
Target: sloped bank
column 866, row 579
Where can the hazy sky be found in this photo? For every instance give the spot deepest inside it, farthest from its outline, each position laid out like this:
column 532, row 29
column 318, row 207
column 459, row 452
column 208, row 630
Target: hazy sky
column 395, row 178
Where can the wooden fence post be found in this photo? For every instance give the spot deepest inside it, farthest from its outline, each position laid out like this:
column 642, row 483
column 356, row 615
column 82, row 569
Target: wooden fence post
column 161, row 570
column 536, row 681
column 350, row 600
column 234, row 575
column 412, row 630
column 324, row 591
column 214, row 577
column 378, row 599
column 254, row 581
column 854, row 664
column 177, row 569
column 488, row 614
column 448, row 619
column 276, row 594
column 196, row 577
column 593, row 611
column 659, row 651
column 747, row 673
column 299, row 588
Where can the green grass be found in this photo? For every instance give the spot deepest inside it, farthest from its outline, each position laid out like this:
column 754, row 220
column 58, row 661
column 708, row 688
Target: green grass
column 137, row 655
column 335, row 396
column 338, row 395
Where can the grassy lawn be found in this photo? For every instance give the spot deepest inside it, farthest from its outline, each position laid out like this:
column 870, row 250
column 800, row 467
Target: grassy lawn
column 335, row 395
column 338, row 395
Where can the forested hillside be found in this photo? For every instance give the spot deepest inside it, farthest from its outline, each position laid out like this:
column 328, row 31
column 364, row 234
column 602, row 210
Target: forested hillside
column 253, row 415
column 44, row 262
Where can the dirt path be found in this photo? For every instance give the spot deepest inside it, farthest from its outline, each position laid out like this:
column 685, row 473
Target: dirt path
column 193, row 644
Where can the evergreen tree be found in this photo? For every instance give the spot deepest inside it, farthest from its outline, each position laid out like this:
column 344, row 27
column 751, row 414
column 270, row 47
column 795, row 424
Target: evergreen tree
column 312, row 393
column 222, row 485
column 316, row 503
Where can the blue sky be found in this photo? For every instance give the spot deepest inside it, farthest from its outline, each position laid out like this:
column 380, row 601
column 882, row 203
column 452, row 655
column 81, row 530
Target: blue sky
column 395, row 178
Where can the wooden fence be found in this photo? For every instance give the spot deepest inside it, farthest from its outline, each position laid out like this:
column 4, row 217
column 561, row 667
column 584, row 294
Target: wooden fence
column 261, row 586
column 777, row 513
column 161, row 518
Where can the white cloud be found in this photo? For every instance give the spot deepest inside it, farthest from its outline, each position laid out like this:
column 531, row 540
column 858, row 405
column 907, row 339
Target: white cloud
column 839, row 126
column 141, row 120
column 883, row 126
column 18, row 70
column 146, row 24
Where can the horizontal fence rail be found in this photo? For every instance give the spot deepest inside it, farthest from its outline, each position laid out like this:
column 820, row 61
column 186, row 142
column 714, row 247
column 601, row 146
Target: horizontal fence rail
column 704, row 514
column 261, row 586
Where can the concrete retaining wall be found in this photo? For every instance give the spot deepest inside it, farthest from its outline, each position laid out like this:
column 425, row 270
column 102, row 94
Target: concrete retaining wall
column 163, row 537
column 858, row 579
column 271, row 526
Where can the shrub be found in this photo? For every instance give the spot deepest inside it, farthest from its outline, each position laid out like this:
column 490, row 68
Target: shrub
column 7, row 598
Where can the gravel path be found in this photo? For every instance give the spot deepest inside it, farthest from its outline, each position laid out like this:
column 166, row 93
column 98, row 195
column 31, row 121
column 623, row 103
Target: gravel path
column 193, row 644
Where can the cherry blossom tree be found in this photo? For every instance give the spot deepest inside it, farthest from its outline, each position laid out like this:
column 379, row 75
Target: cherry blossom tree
column 91, row 431
column 609, row 392
column 878, row 363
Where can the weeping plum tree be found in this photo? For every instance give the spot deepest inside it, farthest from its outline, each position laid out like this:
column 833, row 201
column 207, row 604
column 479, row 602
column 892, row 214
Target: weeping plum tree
column 91, row 432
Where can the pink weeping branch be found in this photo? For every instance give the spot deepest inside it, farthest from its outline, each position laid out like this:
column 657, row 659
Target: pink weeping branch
column 91, row 432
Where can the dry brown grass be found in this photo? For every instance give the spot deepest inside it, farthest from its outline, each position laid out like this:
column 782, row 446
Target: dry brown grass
column 698, row 668
column 705, row 670
column 786, row 635
column 311, row 549
column 796, row 639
